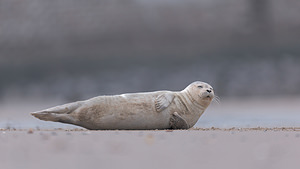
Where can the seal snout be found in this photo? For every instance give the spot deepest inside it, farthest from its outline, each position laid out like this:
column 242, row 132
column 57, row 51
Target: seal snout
column 210, row 95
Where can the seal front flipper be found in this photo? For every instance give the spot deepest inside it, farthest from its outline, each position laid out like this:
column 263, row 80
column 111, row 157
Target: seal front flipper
column 177, row 122
column 163, row 101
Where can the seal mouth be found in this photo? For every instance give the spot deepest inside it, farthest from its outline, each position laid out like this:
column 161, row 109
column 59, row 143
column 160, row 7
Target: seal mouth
column 209, row 96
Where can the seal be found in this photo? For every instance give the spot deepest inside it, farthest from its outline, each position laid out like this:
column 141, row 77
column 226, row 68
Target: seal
column 136, row 111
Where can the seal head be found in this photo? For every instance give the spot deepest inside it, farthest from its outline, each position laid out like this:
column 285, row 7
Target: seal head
column 200, row 93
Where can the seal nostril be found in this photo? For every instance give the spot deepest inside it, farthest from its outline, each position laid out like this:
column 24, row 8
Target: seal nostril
column 208, row 91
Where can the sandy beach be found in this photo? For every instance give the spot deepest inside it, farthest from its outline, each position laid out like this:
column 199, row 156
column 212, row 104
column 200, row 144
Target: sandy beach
column 195, row 148
column 227, row 136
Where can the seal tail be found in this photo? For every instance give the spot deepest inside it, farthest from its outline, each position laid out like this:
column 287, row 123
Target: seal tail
column 58, row 113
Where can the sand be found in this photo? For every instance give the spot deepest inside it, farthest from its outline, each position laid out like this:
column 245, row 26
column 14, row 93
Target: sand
column 196, row 148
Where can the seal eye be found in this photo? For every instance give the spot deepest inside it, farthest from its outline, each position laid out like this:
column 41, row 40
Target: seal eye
column 200, row 86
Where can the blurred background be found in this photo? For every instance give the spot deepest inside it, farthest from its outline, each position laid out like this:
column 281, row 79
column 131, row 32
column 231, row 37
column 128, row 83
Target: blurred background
column 59, row 51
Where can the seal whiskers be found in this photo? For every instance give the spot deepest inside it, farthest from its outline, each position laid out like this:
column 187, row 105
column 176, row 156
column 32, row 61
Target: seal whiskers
column 217, row 99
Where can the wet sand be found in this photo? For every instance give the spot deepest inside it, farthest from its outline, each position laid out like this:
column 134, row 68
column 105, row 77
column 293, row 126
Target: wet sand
column 196, row 148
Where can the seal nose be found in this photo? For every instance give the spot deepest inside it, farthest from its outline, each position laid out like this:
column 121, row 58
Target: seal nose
column 208, row 90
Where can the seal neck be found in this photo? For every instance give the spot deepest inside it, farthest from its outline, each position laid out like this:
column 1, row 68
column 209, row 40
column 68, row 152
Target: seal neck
column 189, row 99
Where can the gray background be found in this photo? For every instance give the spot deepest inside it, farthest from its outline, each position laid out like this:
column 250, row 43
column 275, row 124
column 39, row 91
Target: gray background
column 77, row 49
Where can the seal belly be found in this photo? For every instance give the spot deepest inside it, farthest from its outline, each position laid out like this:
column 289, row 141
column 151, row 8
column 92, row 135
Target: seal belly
column 127, row 111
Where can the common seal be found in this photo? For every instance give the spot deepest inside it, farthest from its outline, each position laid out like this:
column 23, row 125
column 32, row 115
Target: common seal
column 151, row 110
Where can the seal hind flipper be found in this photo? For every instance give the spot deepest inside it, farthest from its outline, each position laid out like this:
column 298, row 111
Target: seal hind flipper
column 63, row 118
column 177, row 122
column 58, row 113
column 163, row 101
